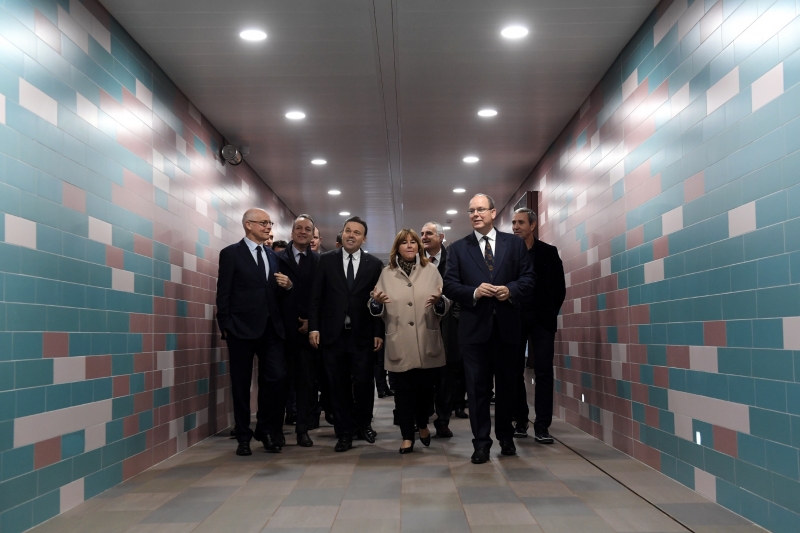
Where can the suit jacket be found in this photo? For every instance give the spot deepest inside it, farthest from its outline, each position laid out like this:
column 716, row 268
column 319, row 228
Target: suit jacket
column 466, row 270
column 331, row 300
column 296, row 302
column 245, row 301
column 550, row 290
column 450, row 320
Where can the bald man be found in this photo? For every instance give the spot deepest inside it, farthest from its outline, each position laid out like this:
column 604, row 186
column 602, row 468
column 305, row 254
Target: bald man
column 250, row 321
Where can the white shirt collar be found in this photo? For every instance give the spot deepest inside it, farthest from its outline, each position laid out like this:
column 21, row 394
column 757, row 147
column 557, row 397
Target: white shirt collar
column 356, row 254
column 253, row 245
column 297, row 252
column 438, row 256
column 492, row 235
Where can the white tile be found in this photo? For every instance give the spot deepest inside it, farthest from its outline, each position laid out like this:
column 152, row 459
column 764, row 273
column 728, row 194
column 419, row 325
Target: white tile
column 20, row 231
column 87, row 110
column 768, row 87
column 189, row 262
column 71, row 495
column 183, row 441
column 595, row 140
column 202, row 417
column 144, row 94
column 568, row 278
column 791, row 333
column 703, row 358
column 577, row 305
column 209, row 312
column 729, row 415
column 723, row 90
column 563, row 160
column 581, row 200
column 220, row 167
column 161, row 180
column 173, row 429
column 168, row 377
column 689, row 18
column 542, row 219
column 668, row 19
column 560, row 321
column 617, row 172
column 619, row 352
column 616, row 370
column 605, row 267
column 654, row 271
column 122, row 280
column 43, row 426
column 220, row 396
column 543, row 183
column 570, row 390
column 2, row 108
column 218, row 230
column 74, row 31
column 69, row 369
column 194, row 113
column 94, row 437
column 245, row 188
column 165, row 360
column 175, row 274
column 37, row 102
column 672, row 221
column 201, row 206
column 101, row 35
column 562, row 228
column 607, row 420
column 629, row 85
column 592, row 256
column 573, row 349
column 158, row 162
column 180, row 144
column 705, row 484
column 683, row 427
column 742, row 219
column 680, row 100
column 100, row 230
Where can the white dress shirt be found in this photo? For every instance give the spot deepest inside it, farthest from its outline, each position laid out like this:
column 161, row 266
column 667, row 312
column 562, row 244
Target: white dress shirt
column 298, row 253
column 492, row 239
column 356, row 261
column 438, row 257
column 253, row 245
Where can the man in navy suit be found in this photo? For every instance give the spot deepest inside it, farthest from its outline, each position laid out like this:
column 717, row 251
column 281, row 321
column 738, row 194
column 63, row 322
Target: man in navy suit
column 489, row 274
column 250, row 321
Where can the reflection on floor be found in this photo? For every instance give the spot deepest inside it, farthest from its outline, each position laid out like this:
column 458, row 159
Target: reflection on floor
column 372, row 488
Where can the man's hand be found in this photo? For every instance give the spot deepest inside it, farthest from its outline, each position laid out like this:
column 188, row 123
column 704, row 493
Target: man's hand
column 283, row 280
column 380, row 297
column 502, row 293
column 433, row 299
column 378, row 343
column 485, row 290
column 303, row 326
column 313, row 339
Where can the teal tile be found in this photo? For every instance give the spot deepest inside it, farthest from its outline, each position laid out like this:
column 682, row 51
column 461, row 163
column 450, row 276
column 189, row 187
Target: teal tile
column 17, row 462
column 72, row 444
column 787, row 492
column 741, row 389
column 729, row 495
column 783, row 460
column 793, row 398
column 25, row 317
column 771, row 394
column 770, row 425
column 18, row 519
column 773, row 364
column 768, row 333
column 755, row 508
column 719, row 464
column 782, row 520
column 33, row 373
column 771, row 210
column 735, row 361
column 122, row 364
column 87, row 463
column 46, row 507
column 54, row 476
column 792, row 230
column 751, row 449
column 754, row 479
column 48, row 292
column 738, row 305
column 58, row 396
column 63, row 319
column 82, row 392
column 774, row 271
column 27, row 345
column 21, row 289
column 779, row 301
column 727, row 252
column 744, row 276
column 17, row 491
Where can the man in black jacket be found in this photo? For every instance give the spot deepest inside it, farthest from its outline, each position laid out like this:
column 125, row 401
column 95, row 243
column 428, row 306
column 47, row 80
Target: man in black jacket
column 539, row 325
column 341, row 324
column 299, row 264
column 250, row 321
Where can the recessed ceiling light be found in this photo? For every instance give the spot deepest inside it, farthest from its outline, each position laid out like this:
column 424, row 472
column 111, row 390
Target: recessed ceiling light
column 487, row 112
column 446, row 228
column 452, row 212
column 253, row 35
column 334, row 192
column 345, row 213
column 514, row 32
column 318, row 162
column 471, row 159
column 459, row 190
column 295, row 115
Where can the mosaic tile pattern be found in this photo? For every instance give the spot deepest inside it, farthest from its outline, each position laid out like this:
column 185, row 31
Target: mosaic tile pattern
column 113, row 207
column 673, row 197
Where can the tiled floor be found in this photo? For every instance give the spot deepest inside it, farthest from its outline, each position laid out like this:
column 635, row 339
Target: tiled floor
column 372, row 488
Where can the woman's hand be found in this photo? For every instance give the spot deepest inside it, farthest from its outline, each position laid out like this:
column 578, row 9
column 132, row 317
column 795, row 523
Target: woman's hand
column 380, row 297
column 433, row 299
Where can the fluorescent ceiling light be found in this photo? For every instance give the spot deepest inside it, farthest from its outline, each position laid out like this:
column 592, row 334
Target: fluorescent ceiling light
column 318, row 162
column 334, row 192
column 446, row 228
column 295, row 115
column 487, row 112
column 345, row 213
column 452, row 212
column 253, row 35
column 514, row 32
column 459, row 190
column 471, row 159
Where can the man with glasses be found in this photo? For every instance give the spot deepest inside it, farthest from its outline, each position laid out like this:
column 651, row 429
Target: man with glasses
column 489, row 274
column 250, row 321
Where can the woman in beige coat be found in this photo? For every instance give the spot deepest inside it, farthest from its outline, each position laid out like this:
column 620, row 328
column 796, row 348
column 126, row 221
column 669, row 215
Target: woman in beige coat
column 409, row 298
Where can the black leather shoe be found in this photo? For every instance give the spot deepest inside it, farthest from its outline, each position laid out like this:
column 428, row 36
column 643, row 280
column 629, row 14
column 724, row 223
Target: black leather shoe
column 443, row 432
column 342, row 445
column 304, row 440
column 381, row 394
column 544, row 437
column 520, row 431
column 280, row 439
column 480, row 456
column 426, row 440
column 291, row 419
column 269, row 444
column 407, row 450
column 389, row 392
column 507, row 447
column 460, row 413
column 368, row 434
column 233, row 433
column 329, row 417
column 244, row 449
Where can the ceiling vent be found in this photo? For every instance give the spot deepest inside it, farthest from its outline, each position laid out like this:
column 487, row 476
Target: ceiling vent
column 231, row 154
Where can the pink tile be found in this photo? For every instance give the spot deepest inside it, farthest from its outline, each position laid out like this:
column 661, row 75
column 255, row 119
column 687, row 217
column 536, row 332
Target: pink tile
column 55, row 344
column 121, row 386
column 98, row 366
column 115, row 257
column 635, row 237
column 715, row 333
column 694, row 187
column 73, row 197
column 46, row 452
column 678, row 356
column 47, row 31
column 725, row 441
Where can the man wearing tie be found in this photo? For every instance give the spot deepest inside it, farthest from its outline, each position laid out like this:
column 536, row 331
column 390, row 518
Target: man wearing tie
column 250, row 321
column 489, row 275
column 341, row 324
column 299, row 263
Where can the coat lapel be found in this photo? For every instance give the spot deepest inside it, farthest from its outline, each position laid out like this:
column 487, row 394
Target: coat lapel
column 339, row 254
column 361, row 275
column 248, row 259
column 500, row 250
column 475, row 251
column 288, row 258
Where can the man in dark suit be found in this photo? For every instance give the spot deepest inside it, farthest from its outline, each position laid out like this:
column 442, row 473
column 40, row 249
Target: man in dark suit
column 489, row 275
column 539, row 325
column 250, row 321
column 450, row 389
column 299, row 264
column 341, row 324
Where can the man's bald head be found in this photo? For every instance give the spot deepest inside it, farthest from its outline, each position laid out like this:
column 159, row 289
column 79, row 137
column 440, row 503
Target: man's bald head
column 257, row 225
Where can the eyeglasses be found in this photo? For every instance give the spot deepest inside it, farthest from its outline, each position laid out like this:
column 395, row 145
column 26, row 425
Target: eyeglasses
column 480, row 210
column 263, row 223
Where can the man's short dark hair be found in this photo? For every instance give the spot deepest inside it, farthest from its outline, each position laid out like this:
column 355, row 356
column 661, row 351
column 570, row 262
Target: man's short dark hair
column 358, row 220
column 339, row 237
column 307, row 217
column 529, row 212
column 280, row 244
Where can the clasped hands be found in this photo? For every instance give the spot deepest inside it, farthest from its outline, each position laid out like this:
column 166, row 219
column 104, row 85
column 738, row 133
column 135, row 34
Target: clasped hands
column 487, row 290
column 383, row 298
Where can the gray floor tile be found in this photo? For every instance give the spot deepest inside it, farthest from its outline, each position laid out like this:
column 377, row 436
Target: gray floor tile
column 591, row 483
column 438, row 521
column 487, row 495
column 703, row 514
column 330, row 496
column 425, row 471
column 557, row 506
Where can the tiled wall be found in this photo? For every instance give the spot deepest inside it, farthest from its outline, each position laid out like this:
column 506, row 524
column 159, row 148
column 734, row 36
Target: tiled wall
column 113, row 209
column 673, row 197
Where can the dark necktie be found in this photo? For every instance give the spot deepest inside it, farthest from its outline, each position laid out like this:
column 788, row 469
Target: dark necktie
column 300, row 260
column 488, row 256
column 433, row 260
column 260, row 259
column 351, row 276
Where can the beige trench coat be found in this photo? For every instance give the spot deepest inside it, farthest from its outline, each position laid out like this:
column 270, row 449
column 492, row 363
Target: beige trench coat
column 413, row 337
